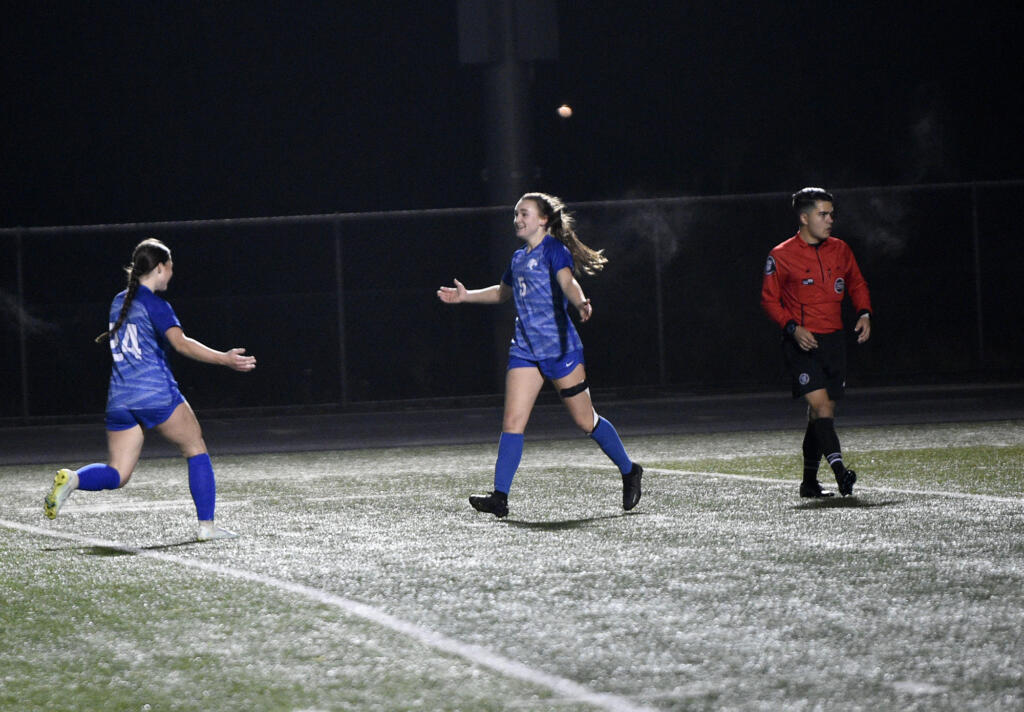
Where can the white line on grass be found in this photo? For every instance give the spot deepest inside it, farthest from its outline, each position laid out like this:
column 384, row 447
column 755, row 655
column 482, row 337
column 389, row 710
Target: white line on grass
column 473, row 653
column 789, row 483
column 137, row 506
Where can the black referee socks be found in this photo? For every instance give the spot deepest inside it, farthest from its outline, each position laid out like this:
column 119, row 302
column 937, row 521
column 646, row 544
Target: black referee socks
column 812, row 454
column 828, row 443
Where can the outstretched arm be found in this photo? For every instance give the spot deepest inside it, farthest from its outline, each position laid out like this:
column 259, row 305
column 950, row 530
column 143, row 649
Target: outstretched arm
column 233, row 358
column 572, row 289
column 458, row 294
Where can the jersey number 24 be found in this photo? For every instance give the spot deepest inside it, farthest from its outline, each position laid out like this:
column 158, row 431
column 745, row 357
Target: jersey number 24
column 129, row 345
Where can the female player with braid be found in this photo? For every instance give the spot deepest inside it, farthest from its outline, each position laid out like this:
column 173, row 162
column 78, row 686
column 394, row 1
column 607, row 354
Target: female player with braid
column 541, row 280
column 144, row 394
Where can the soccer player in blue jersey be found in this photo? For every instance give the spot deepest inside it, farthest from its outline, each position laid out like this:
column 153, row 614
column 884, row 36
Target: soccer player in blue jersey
column 541, row 280
column 144, row 394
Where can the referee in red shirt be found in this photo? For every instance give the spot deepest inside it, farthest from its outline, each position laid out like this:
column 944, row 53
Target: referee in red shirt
column 805, row 280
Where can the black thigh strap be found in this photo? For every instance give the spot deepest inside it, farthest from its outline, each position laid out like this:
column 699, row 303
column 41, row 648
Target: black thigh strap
column 573, row 390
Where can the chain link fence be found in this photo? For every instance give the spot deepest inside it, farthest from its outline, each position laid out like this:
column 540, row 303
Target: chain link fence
column 340, row 309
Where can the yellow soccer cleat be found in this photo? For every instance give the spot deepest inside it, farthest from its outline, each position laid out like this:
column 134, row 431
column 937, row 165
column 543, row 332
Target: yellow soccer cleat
column 64, row 483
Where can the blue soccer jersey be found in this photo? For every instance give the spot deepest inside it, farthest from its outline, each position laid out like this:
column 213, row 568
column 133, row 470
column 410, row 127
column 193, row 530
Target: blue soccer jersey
column 141, row 377
column 543, row 327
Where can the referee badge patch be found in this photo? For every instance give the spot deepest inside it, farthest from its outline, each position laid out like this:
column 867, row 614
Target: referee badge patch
column 769, row 266
column 840, row 285
column 804, row 379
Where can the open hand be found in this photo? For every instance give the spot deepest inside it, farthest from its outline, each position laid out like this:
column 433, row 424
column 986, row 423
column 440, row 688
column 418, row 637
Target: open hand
column 239, row 361
column 452, row 295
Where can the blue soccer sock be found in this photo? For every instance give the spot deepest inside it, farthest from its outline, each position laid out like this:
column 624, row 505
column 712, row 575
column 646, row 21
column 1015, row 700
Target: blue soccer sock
column 202, row 485
column 97, row 476
column 510, row 452
column 607, row 437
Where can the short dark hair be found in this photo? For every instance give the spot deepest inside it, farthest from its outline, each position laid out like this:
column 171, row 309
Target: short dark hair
column 805, row 198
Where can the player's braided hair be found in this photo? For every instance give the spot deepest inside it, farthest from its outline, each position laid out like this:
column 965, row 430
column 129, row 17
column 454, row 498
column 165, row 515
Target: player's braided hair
column 147, row 255
column 562, row 226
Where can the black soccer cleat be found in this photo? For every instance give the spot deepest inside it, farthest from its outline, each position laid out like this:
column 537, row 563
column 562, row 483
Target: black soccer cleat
column 845, row 482
column 631, row 487
column 495, row 503
column 814, row 490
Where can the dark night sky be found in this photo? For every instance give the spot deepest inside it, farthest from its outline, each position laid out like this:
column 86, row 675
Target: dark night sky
column 141, row 110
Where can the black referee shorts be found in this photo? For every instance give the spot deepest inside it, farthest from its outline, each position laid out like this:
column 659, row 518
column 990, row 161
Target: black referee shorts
column 823, row 367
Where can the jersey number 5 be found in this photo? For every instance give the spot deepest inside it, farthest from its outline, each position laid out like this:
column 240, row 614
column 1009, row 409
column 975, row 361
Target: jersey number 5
column 129, row 345
column 522, row 286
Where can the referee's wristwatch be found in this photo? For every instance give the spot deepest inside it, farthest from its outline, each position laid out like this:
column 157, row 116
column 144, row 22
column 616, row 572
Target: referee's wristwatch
column 790, row 327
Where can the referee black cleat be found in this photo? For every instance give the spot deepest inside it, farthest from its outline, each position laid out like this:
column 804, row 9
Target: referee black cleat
column 814, row 490
column 495, row 503
column 631, row 487
column 845, row 482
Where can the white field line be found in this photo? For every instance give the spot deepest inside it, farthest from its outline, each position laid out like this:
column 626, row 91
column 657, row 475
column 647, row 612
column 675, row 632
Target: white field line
column 475, row 654
column 859, row 488
column 75, row 507
column 136, row 506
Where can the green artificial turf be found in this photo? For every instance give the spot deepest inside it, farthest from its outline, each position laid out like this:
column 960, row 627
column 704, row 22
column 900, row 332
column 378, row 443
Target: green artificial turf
column 722, row 590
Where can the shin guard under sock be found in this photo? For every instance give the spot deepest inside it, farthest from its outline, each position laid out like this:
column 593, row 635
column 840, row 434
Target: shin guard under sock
column 607, row 437
column 202, row 485
column 812, row 454
column 510, row 452
column 95, row 477
column 828, row 443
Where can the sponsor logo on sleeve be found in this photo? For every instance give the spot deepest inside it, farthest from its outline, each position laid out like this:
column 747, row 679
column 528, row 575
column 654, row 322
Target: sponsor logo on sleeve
column 769, row 266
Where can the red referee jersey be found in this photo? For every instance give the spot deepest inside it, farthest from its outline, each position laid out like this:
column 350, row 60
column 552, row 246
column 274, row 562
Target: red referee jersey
column 806, row 284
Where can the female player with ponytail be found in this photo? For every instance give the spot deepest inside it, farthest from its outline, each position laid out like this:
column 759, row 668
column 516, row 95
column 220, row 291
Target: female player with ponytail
column 541, row 280
column 144, row 394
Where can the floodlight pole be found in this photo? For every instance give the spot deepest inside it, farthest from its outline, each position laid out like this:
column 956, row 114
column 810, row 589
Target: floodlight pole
column 505, row 36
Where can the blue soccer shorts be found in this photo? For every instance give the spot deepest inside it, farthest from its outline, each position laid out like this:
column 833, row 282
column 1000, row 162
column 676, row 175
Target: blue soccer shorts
column 127, row 418
column 550, row 367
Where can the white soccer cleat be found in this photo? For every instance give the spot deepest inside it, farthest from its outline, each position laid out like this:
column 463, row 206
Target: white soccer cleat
column 64, row 483
column 208, row 531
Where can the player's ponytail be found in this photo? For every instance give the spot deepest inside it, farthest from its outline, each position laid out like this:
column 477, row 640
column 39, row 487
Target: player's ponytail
column 562, row 226
column 147, row 255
